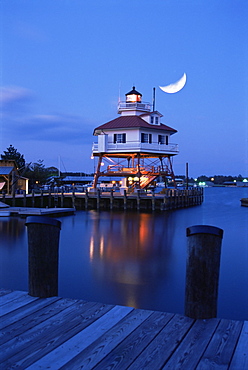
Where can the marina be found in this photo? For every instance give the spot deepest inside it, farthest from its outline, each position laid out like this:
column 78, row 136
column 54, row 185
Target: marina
column 138, row 259
column 42, row 333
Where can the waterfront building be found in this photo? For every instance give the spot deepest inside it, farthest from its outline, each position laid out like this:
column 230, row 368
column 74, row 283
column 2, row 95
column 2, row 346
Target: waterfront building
column 135, row 146
column 10, row 179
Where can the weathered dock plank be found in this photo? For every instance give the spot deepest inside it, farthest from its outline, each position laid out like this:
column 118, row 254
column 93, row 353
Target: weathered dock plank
column 222, row 344
column 148, row 323
column 164, row 344
column 62, row 355
column 240, row 358
column 57, row 333
column 193, row 345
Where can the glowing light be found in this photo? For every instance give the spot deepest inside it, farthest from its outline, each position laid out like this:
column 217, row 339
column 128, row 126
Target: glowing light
column 91, row 248
column 101, row 246
column 245, row 180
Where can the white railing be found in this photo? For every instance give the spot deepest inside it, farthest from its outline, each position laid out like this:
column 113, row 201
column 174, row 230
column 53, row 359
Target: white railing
column 134, row 105
column 138, row 146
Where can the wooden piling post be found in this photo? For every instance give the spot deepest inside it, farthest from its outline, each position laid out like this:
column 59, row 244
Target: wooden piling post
column 41, row 198
column 33, row 200
column 111, row 198
column 73, row 197
column 202, row 271
column 138, row 199
column 98, row 199
column 49, row 198
column 13, row 198
column 125, row 199
column 62, row 199
column 86, row 199
column 43, row 250
column 153, row 201
column 24, row 198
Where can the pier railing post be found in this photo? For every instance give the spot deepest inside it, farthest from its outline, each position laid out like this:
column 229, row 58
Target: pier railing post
column 202, row 271
column 43, row 251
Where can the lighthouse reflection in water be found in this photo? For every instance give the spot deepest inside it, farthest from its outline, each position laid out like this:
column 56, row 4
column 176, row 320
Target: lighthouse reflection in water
column 129, row 259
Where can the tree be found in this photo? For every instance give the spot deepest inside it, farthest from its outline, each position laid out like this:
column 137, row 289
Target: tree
column 12, row 153
column 37, row 173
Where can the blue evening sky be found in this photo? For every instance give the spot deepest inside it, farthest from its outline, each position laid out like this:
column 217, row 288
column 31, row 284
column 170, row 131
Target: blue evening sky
column 64, row 62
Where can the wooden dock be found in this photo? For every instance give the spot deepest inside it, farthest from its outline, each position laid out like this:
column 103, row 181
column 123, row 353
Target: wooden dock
column 56, row 333
column 29, row 211
column 140, row 201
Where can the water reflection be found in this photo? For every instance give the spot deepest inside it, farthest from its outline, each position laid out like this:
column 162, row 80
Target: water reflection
column 130, row 249
column 138, row 259
column 11, row 229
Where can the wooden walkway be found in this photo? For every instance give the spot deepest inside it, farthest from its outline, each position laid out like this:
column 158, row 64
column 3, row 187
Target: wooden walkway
column 56, row 333
column 28, row 211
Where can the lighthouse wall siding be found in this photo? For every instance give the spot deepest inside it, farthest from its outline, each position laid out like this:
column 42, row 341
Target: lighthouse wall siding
column 171, row 199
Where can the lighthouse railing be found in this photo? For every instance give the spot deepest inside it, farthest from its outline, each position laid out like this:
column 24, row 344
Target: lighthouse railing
column 138, row 146
column 134, row 105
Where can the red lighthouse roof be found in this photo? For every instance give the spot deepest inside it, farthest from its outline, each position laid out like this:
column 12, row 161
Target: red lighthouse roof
column 128, row 122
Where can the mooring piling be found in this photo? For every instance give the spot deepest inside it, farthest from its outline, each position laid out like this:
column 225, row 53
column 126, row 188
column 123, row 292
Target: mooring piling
column 43, row 251
column 202, row 271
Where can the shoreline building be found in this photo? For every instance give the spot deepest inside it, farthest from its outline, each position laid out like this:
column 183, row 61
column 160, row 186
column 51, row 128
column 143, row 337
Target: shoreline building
column 135, row 146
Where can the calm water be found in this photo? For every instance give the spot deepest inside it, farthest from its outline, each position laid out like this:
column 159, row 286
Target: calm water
column 138, row 259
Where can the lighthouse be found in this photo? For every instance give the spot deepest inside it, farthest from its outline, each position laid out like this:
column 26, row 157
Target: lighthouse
column 136, row 145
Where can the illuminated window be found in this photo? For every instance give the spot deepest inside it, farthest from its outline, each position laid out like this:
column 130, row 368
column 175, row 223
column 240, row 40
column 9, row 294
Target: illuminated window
column 119, row 138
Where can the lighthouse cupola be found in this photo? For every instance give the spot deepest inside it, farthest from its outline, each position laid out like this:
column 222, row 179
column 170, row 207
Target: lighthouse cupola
column 133, row 106
column 133, row 96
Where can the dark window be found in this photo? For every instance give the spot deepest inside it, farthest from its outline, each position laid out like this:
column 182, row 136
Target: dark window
column 161, row 139
column 166, row 140
column 156, row 120
column 151, row 119
column 119, row 138
column 150, row 138
column 144, row 138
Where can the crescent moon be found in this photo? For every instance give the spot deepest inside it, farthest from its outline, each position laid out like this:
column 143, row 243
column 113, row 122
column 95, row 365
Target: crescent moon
column 174, row 88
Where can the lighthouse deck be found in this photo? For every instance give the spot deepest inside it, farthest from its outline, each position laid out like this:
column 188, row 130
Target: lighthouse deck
column 58, row 333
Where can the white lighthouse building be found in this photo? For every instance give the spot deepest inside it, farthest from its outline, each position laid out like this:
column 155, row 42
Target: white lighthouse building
column 136, row 146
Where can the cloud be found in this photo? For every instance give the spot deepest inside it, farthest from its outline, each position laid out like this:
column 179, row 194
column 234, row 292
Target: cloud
column 19, row 124
column 14, row 94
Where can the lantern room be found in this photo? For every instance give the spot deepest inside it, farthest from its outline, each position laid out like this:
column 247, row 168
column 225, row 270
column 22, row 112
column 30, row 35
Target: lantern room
column 133, row 96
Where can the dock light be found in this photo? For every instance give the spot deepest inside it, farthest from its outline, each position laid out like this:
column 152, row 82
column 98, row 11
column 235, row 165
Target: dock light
column 245, row 180
column 212, row 179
